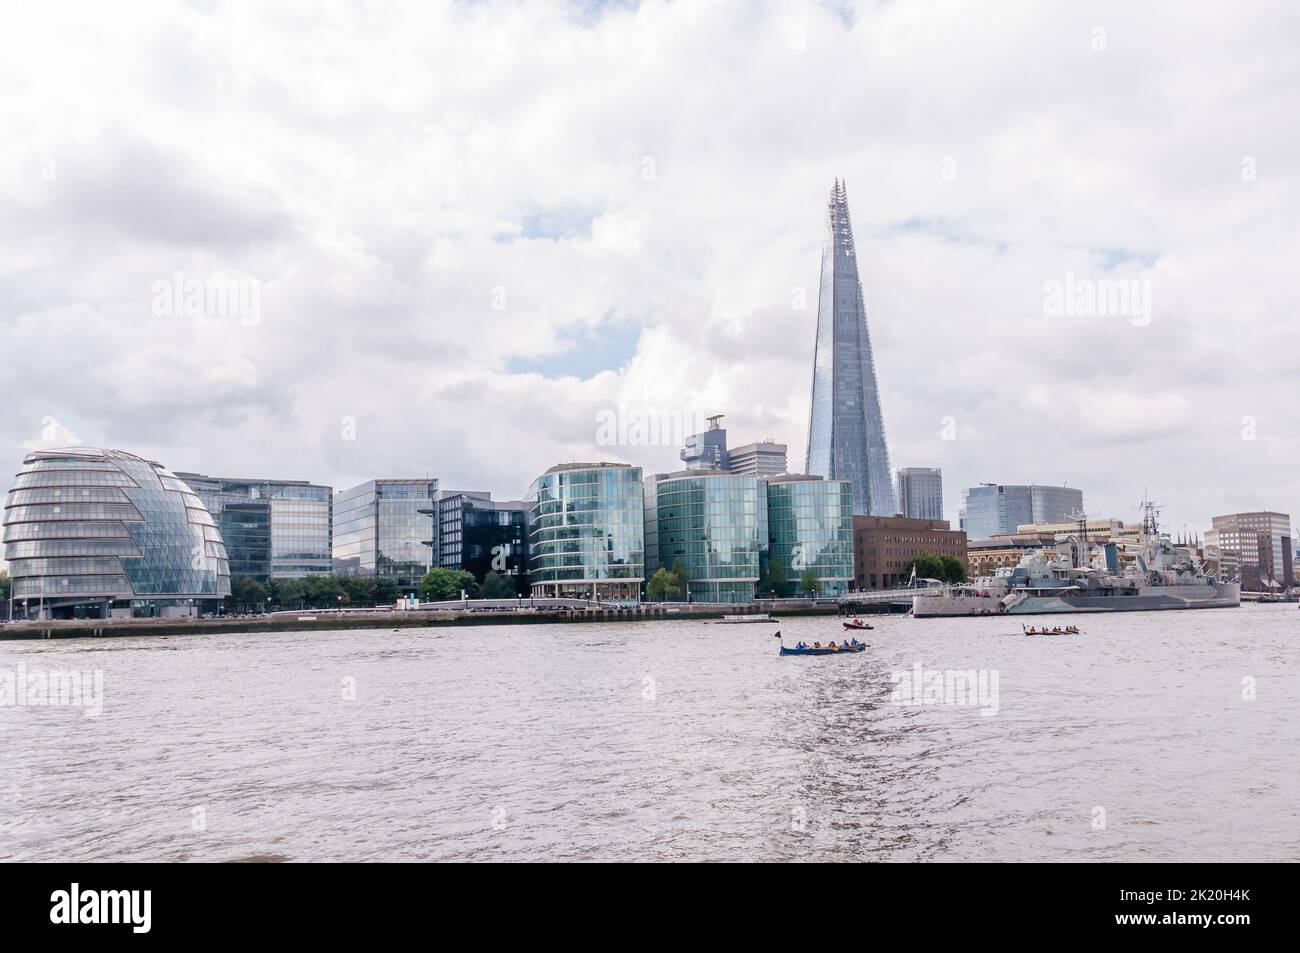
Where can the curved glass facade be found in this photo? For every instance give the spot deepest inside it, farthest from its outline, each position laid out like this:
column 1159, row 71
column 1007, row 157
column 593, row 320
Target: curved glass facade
column 86, row 528
column 714, row 525
column 585, row 532
column 810, row 526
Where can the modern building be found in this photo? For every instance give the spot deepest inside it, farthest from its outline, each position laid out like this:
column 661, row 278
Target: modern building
column 273, row 529
column 846, row 429
column 767, row 458
column 884, row 546
column 920, row 493
column 810, row 528
column 478, row 535
column 1260, row 544
column 707, row 450
column 381, row 528
column 99, row 533
column 586, row 532
column 711, row 524
column 992, row 509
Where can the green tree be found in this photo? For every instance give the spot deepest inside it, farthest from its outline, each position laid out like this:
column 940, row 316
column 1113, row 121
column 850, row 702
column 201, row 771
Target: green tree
column 385, row 591
column 662, row 586
column 776, row 577
column 928, row 566
column 953, row 570
column 810, row 582
column 494, row 587
column 247, row 593
column 444, row 585
column 287, row 593
column 6, row 585
column 680, row 579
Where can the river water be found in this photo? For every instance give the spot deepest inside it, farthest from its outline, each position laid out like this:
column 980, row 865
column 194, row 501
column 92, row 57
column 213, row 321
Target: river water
column 1153, row 736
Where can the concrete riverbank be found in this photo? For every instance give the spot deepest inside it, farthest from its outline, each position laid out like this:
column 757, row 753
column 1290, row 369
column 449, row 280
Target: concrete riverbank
column 413, row 619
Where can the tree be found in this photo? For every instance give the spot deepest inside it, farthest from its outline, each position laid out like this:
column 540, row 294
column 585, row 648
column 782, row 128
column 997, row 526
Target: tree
column 444, row 585
column 494, row 587
column 385, row 591
column 776, row 577
column 6, row 585
column 810, row 582
column 246, row 592
column 662, row 586
column 928, row 566
column 953, row 570
column 287, row 592
column 682, row 581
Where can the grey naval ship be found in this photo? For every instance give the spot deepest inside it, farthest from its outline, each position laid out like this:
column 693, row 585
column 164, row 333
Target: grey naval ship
column 1078, row 576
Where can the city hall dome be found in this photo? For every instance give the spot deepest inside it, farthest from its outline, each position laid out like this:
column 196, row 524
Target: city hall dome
column 93, row 532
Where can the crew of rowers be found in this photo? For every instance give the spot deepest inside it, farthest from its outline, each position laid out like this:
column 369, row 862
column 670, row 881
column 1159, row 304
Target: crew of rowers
column 848, row 644
column 1055, row 630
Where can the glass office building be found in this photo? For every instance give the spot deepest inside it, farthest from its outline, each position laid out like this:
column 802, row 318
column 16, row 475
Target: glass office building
column 714, row 525
column 810, row 527
column 920, row 493
column 846, row 428
column 273, row 529
column 382, row 528
column 586, row 532
column 990, row 509
column 93, row 533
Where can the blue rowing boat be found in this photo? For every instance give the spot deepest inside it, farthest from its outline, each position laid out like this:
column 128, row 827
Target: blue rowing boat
column 845, row 649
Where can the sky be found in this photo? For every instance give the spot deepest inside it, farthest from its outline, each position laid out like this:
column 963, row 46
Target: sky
column 473, row 240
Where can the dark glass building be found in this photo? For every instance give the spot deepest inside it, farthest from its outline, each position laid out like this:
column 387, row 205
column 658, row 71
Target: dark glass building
column 93, row 533
column 846, row 429
column 479, row 535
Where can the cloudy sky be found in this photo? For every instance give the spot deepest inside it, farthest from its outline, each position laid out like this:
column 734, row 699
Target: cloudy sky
column 477, row 239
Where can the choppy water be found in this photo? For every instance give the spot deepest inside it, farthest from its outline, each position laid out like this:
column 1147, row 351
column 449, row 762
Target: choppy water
column 666, row 740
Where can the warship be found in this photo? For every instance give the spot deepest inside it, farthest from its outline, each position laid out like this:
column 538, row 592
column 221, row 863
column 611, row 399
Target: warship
column 1077, row 575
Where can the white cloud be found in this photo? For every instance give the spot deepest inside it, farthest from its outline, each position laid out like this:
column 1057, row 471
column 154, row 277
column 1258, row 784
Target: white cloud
column 376, row 168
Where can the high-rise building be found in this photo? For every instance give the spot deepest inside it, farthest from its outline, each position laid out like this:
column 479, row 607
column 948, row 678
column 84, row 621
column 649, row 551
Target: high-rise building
column 274, row 529
column 707, row 450
column 920, row 493
column 846, row 430
column 763, row 459
column 992, row 509
column 586, row 532
column 1260, row 544
column 382, row 528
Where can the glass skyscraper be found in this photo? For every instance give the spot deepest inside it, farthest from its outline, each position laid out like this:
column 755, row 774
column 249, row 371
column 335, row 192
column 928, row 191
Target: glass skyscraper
column 714, row 524
column 382, row 528
column 920, row 493
column 586, row 532
column 990, row 509
column 810, row 527
column 274, row 529
column 846, row 429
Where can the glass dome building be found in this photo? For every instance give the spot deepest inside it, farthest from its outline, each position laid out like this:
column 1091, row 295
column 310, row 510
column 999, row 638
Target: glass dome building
column 93, row 533
column 585, row 532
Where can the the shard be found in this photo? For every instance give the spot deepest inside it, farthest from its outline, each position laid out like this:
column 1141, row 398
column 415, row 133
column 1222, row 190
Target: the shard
column 846, row 430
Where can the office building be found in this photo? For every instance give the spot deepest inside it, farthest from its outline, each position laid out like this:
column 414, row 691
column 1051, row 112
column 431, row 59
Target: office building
column 1260, row 543
column 273, row 529
column 767, row 458
column 586, row 532
column 477, row 534
column 991, row 509
column 920, row 493
column 810, row 529
column 884, row 546
column 382, row 528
